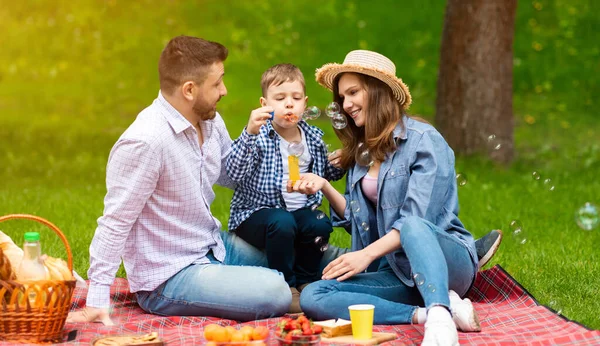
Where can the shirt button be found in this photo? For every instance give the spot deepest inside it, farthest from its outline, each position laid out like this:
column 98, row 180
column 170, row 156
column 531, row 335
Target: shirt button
column 352, row 185
column 392, row 173
column 365, row 226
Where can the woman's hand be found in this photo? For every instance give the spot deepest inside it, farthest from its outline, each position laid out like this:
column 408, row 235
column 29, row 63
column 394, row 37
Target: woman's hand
column 334, row 158
column 308, row 184
column 347, row 265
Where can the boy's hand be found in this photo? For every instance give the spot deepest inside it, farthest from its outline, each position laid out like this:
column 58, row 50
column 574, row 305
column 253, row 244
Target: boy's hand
column 258, row 118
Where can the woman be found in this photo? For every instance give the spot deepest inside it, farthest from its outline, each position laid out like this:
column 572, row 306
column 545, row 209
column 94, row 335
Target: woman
column 401, row 209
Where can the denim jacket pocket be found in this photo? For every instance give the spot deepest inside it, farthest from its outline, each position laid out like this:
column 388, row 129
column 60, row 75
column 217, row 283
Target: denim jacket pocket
column 393, row 189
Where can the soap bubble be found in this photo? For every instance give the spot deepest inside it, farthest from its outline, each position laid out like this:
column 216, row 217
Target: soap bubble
column 354, row 206
column 363, row 158
column 587, row 217
column 493, row 142
column 515, row 224
column 461, row 179
column 419, row 279
column 519, row 236
column 555, row 306
column 339, row 122
column 548, row 184
column 311, row 113
column 431, row 288
column 536, row 176
column 295, row 149
column 333, row 109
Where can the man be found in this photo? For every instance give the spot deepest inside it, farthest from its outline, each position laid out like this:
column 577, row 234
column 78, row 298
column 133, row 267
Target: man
column 157, row 216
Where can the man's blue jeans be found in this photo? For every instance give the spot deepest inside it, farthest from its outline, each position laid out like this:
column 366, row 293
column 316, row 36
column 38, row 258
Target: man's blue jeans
column 241, row 288
column 441, row 260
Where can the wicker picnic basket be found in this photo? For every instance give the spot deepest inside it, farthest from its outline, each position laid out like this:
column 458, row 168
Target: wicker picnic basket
column 41, row 320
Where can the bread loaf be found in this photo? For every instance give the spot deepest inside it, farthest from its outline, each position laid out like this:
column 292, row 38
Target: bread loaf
column 11, row 251
column 58, row 269
column 6, row 271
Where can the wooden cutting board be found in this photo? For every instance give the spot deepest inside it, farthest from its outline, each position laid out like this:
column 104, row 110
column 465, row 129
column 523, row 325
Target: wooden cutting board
column 348, row 339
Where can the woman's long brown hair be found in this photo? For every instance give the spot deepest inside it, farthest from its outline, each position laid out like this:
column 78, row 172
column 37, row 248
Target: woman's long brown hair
column 382, row 115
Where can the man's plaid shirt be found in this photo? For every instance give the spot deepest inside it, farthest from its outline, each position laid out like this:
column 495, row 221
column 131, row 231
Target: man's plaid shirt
column 255, row 163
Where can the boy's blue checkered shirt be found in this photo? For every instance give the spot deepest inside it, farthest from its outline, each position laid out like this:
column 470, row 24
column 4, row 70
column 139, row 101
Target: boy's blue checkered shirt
column 255, row 163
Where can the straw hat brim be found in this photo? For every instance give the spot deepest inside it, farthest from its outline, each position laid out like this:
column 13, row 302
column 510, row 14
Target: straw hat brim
column 327, row 74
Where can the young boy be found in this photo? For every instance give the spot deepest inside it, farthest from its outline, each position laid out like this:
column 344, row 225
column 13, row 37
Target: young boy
column 262, row 211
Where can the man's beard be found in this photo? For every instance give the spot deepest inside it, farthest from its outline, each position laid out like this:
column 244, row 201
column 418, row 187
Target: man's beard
column 203, row 112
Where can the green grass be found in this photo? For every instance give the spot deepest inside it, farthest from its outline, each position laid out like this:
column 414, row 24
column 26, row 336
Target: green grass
column 73, row 76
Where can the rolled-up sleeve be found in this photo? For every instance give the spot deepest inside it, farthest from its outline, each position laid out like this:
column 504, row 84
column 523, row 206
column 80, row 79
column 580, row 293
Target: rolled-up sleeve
column 131, row 177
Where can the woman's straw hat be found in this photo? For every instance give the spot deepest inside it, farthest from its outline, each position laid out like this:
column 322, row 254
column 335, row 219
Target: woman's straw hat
column 369, row 63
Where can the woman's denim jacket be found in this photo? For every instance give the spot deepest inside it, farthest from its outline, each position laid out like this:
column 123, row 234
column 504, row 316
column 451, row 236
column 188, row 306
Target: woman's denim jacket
column 417, row 179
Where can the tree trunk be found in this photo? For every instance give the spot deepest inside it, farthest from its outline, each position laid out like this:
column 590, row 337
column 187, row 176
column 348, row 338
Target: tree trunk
column 475, row 82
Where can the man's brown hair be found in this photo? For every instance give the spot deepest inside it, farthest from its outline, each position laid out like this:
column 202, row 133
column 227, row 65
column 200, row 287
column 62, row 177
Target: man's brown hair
column 279, row 74
column 186, row 58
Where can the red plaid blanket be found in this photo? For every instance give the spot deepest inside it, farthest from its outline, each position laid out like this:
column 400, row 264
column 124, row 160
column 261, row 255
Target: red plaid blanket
column 509, row 315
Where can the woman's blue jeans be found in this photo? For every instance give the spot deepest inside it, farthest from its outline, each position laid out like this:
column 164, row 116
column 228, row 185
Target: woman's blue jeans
column 241, row 288
column 441, row 261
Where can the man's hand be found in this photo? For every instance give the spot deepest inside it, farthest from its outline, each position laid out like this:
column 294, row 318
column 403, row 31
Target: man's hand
column 90, row 314
column 258, row 118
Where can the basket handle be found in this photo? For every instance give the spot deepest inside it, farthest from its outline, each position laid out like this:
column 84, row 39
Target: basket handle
column 50, row 225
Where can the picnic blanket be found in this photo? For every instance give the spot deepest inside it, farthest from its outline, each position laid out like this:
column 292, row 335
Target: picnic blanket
column 509, row 315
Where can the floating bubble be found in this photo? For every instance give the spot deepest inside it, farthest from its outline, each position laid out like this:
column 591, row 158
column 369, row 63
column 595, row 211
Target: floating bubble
column 354, row 206
column 519, row 236
column 587, row 217
column 295, row 149
column 324, row 248
column 318, row 241
column 536, row 176
column 461, row 179
column 339, row 122
column 515, row 224
column 320, row 215
column 364, row 158
column 493, row 142
column 332, row 109
column 555, row 306
column 431, row 288
column 365, row 226
column 419, row 279
column 548, row 184
column 314, row 207
column 311, row 113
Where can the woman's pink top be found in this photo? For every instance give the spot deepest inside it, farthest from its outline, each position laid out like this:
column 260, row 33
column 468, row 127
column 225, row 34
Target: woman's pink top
column 369, row 188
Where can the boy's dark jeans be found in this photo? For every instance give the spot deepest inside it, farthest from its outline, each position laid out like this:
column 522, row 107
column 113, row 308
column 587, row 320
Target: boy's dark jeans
column 288, row 239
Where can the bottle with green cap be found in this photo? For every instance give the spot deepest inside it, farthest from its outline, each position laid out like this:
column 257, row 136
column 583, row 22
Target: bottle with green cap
column 32, row 268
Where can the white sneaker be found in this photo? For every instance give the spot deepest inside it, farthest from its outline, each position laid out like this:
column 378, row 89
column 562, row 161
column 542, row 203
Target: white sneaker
column 463, row 313
column 440, row 330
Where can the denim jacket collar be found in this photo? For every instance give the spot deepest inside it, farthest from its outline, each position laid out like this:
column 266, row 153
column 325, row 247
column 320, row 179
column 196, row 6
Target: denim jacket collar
column 399, row 134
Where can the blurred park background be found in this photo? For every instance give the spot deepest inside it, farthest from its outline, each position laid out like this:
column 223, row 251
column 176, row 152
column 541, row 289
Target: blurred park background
column 74, row 74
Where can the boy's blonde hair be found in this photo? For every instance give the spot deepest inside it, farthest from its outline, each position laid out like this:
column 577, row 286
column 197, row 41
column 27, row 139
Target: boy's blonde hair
column 279, row 74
